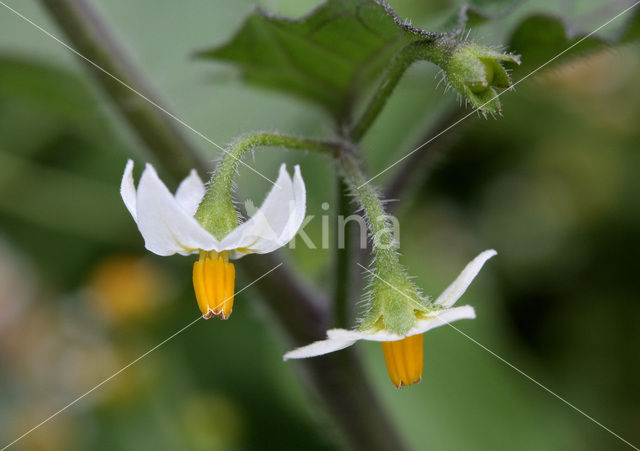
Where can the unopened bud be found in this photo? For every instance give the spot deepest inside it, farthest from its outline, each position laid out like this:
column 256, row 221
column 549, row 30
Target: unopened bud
column 475, row 70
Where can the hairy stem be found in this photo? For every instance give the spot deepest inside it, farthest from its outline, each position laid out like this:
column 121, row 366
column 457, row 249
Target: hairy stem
column 386, row 256
column 220, row 187
column 434, row 50
column 339, row 380
column 383, row 307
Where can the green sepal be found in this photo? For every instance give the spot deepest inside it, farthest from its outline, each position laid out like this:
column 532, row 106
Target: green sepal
column 475, row 70
column 394, row 304
column 216, row 212
column 398, row 313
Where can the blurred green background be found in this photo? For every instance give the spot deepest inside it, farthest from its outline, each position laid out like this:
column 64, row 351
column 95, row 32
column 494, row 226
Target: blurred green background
column 552, row 186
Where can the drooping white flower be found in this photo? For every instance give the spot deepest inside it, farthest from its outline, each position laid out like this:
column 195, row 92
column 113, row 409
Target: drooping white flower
column 168, row 226
column 403, row 354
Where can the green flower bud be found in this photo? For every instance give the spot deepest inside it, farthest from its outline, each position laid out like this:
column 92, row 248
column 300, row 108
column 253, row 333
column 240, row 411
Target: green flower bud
column 475, row 70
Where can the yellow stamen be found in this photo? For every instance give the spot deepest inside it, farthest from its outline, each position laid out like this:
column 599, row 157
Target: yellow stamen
column 404, row 359
column 214, row 283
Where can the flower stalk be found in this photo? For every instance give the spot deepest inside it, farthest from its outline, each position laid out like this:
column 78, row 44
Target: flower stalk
column 472, row 69
column 216, row 212
column 385, row 307
column 435, row 50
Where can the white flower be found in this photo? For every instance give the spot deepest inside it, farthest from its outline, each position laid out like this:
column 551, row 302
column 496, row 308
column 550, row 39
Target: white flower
column 404, row 352
column 168, row 226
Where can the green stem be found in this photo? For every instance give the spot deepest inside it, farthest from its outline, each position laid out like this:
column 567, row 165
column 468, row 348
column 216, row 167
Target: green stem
column 220, row 182
column 216, row 212
column 384, row 308
column 435, row 50
column 386, row 256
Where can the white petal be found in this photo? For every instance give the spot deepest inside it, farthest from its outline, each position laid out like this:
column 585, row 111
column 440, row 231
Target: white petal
column 460, row 285
column 299, row 207
column 276, row 221
column 165, row 226
column 370, row 335
column 235, row 254
column 338, row 339
column 190, row 193
column 317, row 348
column 128, row 190
column 441, row 318
column 430, row 321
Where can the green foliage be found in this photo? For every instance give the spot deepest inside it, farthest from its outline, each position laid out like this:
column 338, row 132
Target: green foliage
column 329, row 56
column 542, row 37
column 49, row 91
column 477, row 12
column 58, row 157
column 632, row 29
column 54, row 134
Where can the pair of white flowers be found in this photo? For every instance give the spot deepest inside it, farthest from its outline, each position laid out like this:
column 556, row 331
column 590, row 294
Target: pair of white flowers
column 168, row 226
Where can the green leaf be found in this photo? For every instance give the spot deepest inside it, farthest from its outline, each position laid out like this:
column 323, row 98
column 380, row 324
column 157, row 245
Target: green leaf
column 631, row 30
column 477, row 12
column 57, row 154
column 541, row 38
column 329, row 56
column 49, row 91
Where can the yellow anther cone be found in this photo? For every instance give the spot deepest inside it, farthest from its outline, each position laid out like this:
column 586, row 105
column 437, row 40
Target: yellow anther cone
column 404, row 359
column 214, row 284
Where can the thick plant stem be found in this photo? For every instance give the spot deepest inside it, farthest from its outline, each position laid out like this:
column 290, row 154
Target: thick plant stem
column 435, row 50
column 116, row 74
column 339, row 380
